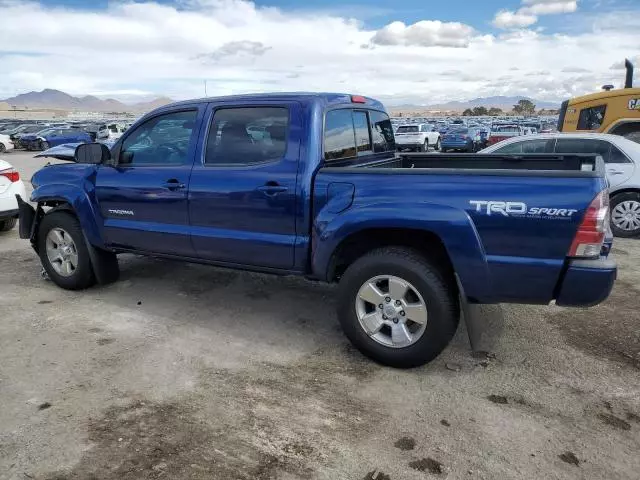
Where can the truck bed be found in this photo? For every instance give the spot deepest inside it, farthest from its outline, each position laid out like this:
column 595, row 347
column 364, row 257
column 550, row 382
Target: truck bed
column 507, row 221
column 537, row 164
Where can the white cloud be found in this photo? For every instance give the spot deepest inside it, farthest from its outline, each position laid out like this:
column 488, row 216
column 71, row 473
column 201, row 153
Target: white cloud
column 549, row 7
column 508, row 19
column 426, row 33
column 528, row 14
column 145, row 48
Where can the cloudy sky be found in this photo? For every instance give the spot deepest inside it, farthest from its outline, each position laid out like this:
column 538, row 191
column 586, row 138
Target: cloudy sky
column 408, row 51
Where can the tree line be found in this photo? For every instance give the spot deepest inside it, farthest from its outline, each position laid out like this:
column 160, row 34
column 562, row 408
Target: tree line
column 523, row 107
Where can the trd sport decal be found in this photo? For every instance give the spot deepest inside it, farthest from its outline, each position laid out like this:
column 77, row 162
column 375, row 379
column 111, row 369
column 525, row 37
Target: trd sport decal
column 518, row 209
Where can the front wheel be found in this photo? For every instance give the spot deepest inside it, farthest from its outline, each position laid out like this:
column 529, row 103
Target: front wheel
column 397, row 308
column 625, row 214
column 63, row 251
column 44, row 145
column 3, row 148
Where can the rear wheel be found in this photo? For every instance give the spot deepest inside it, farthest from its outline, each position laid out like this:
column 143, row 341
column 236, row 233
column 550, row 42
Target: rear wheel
column 63, row 251
column 3, row 148
column 437, row 147
column 7, row 224
column 396, row 308
column 425, row 146
column 625, row 214
column 43, row 145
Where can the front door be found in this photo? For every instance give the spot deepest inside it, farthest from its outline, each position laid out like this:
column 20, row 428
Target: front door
column 143, row 198
column 242, row 196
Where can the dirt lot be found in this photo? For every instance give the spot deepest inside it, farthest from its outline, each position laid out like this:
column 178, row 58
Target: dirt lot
column 182, row 371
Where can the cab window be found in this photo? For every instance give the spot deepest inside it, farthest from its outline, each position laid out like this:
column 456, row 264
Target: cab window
column 247, row 136
column 161, row 140
column 382, row 132
column 591, row 118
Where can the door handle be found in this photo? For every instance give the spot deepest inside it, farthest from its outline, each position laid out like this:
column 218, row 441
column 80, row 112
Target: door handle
column 173, row 184
column 272, row 188
column 615, row 172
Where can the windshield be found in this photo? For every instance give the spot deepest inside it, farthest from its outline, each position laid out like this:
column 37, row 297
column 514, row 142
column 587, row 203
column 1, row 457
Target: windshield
column 459, row 131
column 407, row 129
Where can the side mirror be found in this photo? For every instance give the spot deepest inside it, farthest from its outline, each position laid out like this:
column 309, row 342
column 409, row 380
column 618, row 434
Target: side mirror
column 93, row 153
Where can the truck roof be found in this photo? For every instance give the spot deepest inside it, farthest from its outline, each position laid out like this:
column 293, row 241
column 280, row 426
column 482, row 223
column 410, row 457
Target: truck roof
column 326, row 99
column 619, row 92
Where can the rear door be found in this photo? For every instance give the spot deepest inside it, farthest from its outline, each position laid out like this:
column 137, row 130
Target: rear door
column 619, row 167
column 242, row 196
column 143, row 198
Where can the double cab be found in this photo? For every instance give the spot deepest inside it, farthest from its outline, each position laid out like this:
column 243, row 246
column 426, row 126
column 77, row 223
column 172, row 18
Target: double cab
column 310, row 184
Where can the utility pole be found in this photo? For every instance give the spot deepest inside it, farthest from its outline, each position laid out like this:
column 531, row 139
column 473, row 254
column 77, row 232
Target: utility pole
column 205, row 88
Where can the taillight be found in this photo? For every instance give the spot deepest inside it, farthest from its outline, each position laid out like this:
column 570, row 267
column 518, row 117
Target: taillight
column 11, row 173
column 590, row 235
column 358, row 99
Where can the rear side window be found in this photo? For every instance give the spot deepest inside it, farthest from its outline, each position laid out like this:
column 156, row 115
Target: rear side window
column 591, row 118
column 363, row 137
column 617, row 156
column 247, row 136
column 584, row 145
column 382, row 132
column 339, row 137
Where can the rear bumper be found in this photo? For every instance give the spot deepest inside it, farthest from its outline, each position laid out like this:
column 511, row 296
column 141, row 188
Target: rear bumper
column 408, row 145
column 587, row 282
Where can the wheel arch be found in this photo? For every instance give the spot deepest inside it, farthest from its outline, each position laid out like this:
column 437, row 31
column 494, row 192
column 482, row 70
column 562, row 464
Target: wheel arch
column 73, row 200
column 437, row 231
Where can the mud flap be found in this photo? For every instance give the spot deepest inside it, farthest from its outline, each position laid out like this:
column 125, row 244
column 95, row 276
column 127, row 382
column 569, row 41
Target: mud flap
column 485, row 323
column 27, row 216
column 104, row 263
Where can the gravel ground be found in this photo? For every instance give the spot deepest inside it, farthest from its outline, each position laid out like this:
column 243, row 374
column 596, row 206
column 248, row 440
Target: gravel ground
column 185, row 371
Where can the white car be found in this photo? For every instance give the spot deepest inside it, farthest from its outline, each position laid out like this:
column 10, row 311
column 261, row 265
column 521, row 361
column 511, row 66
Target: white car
column 622, row 161
column 5, row 143
column 10, row 186
column 417, row 136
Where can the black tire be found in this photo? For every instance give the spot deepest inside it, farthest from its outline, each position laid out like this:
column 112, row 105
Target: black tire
column 7, row 224
column 43, row 145
column 2, row 148
column 425, row 146
column 439, row 295
column 83, row 276
column 437, row 147
column 615, row 201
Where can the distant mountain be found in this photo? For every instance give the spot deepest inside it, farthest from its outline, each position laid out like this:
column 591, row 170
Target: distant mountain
column 55, row 99
column 505, row 103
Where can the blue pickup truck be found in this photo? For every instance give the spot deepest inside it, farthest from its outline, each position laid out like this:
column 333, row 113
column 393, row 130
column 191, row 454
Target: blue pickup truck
column 310, row 184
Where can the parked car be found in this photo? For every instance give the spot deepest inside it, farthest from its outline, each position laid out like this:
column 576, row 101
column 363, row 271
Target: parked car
column 10, row 186
column 326, row 197
column 461, row 138
column 418, row 137
column 500, row 132
column 622, row 160
column 28, row 130
column 52, row 137
column 5, row 143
